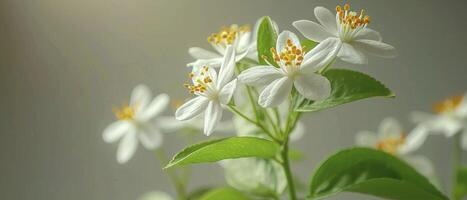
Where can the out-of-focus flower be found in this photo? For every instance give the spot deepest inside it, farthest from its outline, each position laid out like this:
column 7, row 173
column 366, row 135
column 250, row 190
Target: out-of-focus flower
column 450, row 118
column 213, row 91
column 156, row 195
column 134, row 123
column 391, row 139
column 350, row 28
column 297, row 69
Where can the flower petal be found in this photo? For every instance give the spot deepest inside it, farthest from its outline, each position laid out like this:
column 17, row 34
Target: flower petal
column 150, row 137
column 275, row 93
column 213, row 62
column 313, row 86
column 154, row 108
column 326, row 19
column 200, row 53
column 243, row 42
column 227, row 91
column 191, row 108
column 376, row 48
column 414, row 140
column 390, row 127
column 227, row 68
column 312, row 30
column 156, row 195
column 351, row 55
column 368, row 34
column 298, row 132
column 464, row 139
column 140, row 97
column 212, row 117
column 422, row 164
column 462, row 110
column 281, row 42
column 366, row 139
column 260, row 75
column 322, row 55
column 127, row 147
column 116, row 130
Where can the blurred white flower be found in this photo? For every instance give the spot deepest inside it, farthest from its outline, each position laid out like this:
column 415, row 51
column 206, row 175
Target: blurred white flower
column 156, row 195
column 351, row 29
column 450, row 119
column 134, row 123
column 213, row 91
column 296, row 70
column 170, row 124
column 391, row 139
column 240, row 37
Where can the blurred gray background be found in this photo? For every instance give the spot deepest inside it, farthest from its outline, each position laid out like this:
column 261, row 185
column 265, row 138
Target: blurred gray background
column 65, row 63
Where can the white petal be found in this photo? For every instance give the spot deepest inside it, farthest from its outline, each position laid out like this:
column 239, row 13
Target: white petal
column 200, row 53
column 351, row 55
column 150, row 137
column 127, row 147
column 376, row 48
column 259, row 75
column 281, row 42
column 464, row 139
column 156, row 195
column 227, row 69
column 191, row 108
column 116, row 130
column 154, row 108
column 212, row 117
column 140, row 97
column 313, row 86
column 169, row 124
column 414, row 140
column 298, row 132
column 366, row 139
column 443, row 124
column 244, row 42
column 322, row 55
column 213, row 62
column 275, row 93
column 312, row 30
column 390, row 127
column 327, row 19
column 422, row 164
column 368, row 34
column 462, row 110
column 227, row 91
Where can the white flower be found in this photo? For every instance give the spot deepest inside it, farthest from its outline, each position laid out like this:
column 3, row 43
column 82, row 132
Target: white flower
column 297, row 70
column 213, row 91
column 351, row 30
column 170, row 124
column 390, row 138
column 156, row 195
column 450, row 119
column 134, row 123
column 240, row 37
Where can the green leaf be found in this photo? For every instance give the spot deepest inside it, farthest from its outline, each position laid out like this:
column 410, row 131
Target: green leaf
column 224, row 194
column 307, row 44
column 460, row 189
column 226, row 148
column 347, row 86
column 267, row 37
column 372, row 172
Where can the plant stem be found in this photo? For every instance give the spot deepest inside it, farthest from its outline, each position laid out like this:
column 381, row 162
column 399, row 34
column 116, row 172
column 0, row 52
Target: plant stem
column 176, row 181
column 288, row 174
column 457, row 162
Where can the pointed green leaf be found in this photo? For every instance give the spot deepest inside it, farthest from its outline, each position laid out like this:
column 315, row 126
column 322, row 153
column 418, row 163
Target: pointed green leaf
column 226, row 148
column 224, row 194
column 372, row 172
column 267, row 37
column 307, row 44
column 347, row 86
column 460, row 189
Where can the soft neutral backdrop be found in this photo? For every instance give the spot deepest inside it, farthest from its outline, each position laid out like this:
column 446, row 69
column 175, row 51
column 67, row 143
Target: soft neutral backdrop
column 65, row 63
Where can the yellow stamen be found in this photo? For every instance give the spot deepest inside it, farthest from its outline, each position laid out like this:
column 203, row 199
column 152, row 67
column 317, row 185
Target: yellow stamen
column 448, row 105
column 200, row 81
column 126, row 112
column 352, row 19
column 391, row 144
column 291, row 55
column 227, row 35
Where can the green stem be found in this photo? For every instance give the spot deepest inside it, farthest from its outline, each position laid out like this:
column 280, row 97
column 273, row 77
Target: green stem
column 288, row 174
column 457, row 162
column 176, row 181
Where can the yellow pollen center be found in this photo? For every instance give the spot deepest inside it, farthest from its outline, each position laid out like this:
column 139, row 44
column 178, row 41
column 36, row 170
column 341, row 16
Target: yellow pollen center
column 227, row 35
column 201, row 81
column 290, row 55
column 126, row 112
column 391, row 144
column 448, row 105
column 350, row 18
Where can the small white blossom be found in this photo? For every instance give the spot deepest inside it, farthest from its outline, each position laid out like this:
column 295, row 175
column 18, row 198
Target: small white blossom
column 351, row 29
column 134, row 123
column 156, row 195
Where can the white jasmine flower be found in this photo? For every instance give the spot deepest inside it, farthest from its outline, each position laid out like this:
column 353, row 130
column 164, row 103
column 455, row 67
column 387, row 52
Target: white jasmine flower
column 297, row 70
column 391, row 139
column 134, row 123
column 156, row 195
column 170, row 124
column 351, row 29
column 450, row 119
column 240, row 37
column 213, row 91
